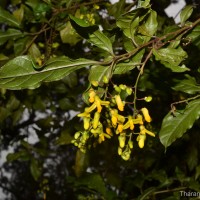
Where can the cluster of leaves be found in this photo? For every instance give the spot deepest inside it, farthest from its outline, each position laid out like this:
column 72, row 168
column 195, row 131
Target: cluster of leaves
column 58, row 48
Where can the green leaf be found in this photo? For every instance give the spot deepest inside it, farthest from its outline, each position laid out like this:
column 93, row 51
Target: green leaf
column 171, row 58
column 174, row 127
column 194, row 36
column 24, row 155
column 6, row 17
column 94, row 182
column 170, row 55
column 175, row 68
column 10, row 34
column 128, row 23
column 188, row 85
column 19, row 73
column 98, row 72
column 100, row 40
column 186, row 13
column 35, row 169
column 150, row 26
column 80, row 22
column 144, row 3
column 68, row 35
column 81, row 163
column 92, row 34
column 34, row 52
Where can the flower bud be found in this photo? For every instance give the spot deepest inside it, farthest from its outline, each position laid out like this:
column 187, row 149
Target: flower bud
column 117, row 89
column 148, row 99
column 122, row 140
column 86, row 123
column 129, row 90
column 146, row 115
column 96, row 119
column 105, row 79
column 95, row 83
column 119, row 102
column 122, row 87
column 141, row 140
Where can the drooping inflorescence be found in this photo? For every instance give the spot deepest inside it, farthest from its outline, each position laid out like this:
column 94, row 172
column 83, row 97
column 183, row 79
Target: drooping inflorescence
column 106, row 117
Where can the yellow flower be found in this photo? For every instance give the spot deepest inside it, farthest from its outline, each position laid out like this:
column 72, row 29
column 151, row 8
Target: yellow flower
column 119, row 102
column 129, row 123
column 146, row 115
column 120, row 128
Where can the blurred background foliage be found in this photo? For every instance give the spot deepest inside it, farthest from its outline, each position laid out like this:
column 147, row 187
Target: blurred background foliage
column 37, row 126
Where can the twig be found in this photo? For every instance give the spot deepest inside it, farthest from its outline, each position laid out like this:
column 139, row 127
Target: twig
column 183, row 101
column 138, row 77
column 169, row 190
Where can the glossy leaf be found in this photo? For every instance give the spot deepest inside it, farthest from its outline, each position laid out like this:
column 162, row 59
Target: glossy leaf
column 92, row 34
column 19, row 73
column 171, row 58
column 173, row 127
column 6, row 17
column 170, row 55
column 186, row 13
column 188, row 85
column 128, row 23
column 10, row 34
column 100, row 40
column 150, row 26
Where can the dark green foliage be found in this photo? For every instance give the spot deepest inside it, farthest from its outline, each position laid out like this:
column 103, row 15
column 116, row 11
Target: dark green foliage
column 53, row 53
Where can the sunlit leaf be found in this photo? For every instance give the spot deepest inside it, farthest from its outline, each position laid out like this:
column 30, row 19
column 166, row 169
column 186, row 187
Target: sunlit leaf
column 173, row 127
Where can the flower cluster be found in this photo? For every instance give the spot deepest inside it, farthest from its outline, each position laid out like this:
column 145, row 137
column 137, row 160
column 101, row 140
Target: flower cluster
column 104, row 119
